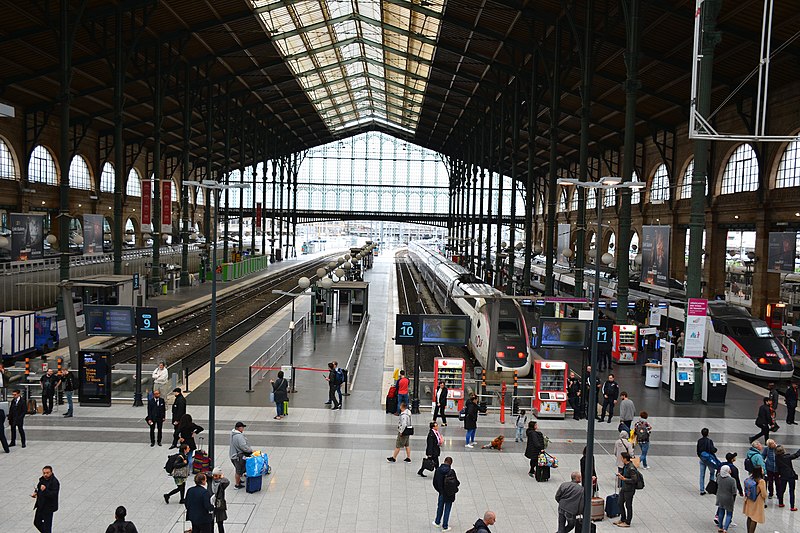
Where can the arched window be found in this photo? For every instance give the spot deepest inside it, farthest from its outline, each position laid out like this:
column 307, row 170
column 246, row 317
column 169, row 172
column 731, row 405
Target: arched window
column 8, row 170
column 562, row 200
column 659, row 188
column 591, row 199
column 789, row 167
column 173, row 193
column 636, row 194
column 573, row 205
column 609, row 197
column 201, row 199
column 686, row 186
column 107, row 178
column 133, row 186
column 79, row 176
column 42, row 167
column 741, row 172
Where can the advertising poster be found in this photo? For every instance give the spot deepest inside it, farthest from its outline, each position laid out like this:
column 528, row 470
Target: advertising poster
column 27, row 236
column 563, row 244
column 92, row 234
column 166, row 203
column 147, row 202
column 655, row 255
column 695, row 334
column 782, row 251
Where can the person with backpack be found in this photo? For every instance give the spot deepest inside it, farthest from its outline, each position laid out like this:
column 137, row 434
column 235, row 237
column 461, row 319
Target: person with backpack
column 482, row 524
column 522, row 421
column 787, row 475
column 755, row 491
column 755, row 458
column 471, row 421
column 120, row 525
column 402, row 390
column 534, row 447
column 631, row 481
column 280, row 394
column 331, row 379
column 446, row 484
column 179, row 471
column 726, row 498
column 339, row 382
column 705, row 444
column 763, row 420
column 441, row 403
column 642, row 430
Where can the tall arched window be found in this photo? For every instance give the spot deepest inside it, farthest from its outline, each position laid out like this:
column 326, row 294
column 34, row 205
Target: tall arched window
column 133, row 187
column 789, row 167
column 573, row 205
column 173, row 193
column 107, row 178
column 42, row 167
column 686, row 186
column 609, row 197
column 591, row 199
column 741, row 172
column 79, row 176
column 659, row 188
column 562, row 200
column 201, row 199
column 636, row 194
column 8, row 170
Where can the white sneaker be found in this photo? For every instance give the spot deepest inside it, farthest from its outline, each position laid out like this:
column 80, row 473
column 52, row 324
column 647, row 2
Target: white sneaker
column 471, row 445
column 467, row 446
column 448, row 528
column 435, row 524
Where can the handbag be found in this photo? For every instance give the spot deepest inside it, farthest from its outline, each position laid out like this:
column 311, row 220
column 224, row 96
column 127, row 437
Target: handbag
column 272, row 397
column 428, row 464
column 408, row 431
column 711, row 488
column 636, row 461
column 181, row 471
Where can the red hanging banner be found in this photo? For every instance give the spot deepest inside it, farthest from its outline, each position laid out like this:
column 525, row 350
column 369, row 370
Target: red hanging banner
column 166, row 203
column 147, row 202
column 258, row 215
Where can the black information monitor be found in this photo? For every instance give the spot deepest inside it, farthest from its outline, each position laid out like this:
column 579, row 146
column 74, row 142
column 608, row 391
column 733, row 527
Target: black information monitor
column 564, row 333
column 445, row 330
column 109, row 320
column 94, row 377
column 147, row 321
column 406, row 330
column 604, row 333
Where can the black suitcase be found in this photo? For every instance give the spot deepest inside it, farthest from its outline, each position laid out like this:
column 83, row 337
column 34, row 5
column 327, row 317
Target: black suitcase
column 612, row 505
column 542, row 473
column 391, row 404
column 579, row 525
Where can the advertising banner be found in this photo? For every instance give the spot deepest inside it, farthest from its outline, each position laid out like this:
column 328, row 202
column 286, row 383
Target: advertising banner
column 166, row 203
column 147, row 202
column 695, row 335
column 655, row 255
column 92, row 234
column 563, row 244
column 782, row 251
column 27, row 236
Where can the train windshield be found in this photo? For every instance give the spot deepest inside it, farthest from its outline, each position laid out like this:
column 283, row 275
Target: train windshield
column 508, row 327
column 762, row 332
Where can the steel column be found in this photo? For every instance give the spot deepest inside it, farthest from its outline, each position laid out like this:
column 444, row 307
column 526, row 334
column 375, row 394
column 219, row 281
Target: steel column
column 119, row 143
column 529, row 191
column 155, row 208
column 555, row 111
column 513, row 225
column 501, row 145
column 583, row 170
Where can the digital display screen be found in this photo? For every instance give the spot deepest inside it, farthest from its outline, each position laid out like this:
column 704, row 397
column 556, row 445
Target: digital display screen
column 406, row 330
column 715, row 377
column 94, row 377
column 445, row 329
column 683, row 376
column 564, row 333
column 109, row 320
column 604, row 331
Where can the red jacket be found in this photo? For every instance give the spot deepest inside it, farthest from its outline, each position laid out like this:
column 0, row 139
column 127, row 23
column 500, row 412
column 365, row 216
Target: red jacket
column 402, row 385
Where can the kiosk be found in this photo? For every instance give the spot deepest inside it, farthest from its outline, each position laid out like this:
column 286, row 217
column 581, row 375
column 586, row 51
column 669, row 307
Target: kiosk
column 451, row 371
column 715, row 381
column 550, row 389
column 625, row 344
column 681, row 383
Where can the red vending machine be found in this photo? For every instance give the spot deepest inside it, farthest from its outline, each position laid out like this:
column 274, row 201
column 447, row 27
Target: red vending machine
column 625, row 344
column 451, row 371
column 550, row 389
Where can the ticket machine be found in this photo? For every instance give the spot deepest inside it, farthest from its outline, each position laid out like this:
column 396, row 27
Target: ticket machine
column 715, row 380
column 681, row 383
column 550, row 389
column 624, row 344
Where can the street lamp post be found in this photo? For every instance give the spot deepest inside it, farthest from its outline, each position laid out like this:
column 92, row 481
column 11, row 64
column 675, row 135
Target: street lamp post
column 600, row 187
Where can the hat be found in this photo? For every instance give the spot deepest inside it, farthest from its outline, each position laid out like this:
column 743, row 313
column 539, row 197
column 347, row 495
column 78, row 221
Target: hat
column 730, row 456
column 176, row 389
column 217, row 470
column 240, row 425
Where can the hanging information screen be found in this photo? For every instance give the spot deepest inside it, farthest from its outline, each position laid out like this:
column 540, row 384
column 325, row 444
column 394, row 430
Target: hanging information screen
column 406, row 330
column 445, row 329
column 564, row 333
column 109, row 320
column 94, row 377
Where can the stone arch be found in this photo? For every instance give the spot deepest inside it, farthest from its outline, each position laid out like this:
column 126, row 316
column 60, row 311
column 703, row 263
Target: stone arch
column 720, row 174
column 80, row 174
column 9, row 162
column 42, row 164
column 777, row 159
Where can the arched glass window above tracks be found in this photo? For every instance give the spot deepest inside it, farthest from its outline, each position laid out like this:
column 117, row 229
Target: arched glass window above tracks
column 42, row 167
column 609, row 198
column 686, row 185
column 173, row 193
column 562, row 200
column 636, row 194
column 789, row 167
column 232, row 196
column 133, row 186
column 201, row 199
column 659, row 187
column 741, row 172
column 591, row 199
column 79, row 175
column 573, row 205
column 8, row 170
column 107, row 178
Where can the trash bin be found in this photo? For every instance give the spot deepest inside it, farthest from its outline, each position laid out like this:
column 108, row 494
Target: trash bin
column 652, row 376
column 164, row 287
column 698, row 380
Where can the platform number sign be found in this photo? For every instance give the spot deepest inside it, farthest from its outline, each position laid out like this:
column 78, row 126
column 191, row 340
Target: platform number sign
column 604, row 330
column 147, row 321
column 406, row 330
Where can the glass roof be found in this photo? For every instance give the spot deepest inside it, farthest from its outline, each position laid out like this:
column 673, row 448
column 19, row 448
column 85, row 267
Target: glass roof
column 359, row 61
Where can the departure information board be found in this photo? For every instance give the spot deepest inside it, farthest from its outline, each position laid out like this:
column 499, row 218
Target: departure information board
column 109, row 320
column 406, row 330
column 94, row 377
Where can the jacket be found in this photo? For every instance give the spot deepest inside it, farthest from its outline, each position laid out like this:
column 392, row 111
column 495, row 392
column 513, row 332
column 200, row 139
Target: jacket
column 791, row 397
column 17, row 410
column 622, row 445
column 178, row 408
column 198, row 506
column 764, row 417
column 332, row 379
column 438, row 481
column 280, row 389
column 441, row 396
column 47, row 499
column 726, row 493
column 642, row 423
column 402, row 385
column 471, row 420
column 735, row 476
column 755, row 509
column 239, row 444
column 704, row 444
column 784, row 465
column 611, row 389
column 774, row 396
column 631, row 476
column 68, row 382
column 219, row 513
column 757, row 459
column 432, row 448
column 573, row 388
column 535, row 443
column 405, row 421
column 49, row 383
column 187, row 434
column 769, row 459
column 121, row 526
column 627, row 410
column 570, row 497
column 156, row 409
column 160, row 376
column 583, row 469
column 481, row 527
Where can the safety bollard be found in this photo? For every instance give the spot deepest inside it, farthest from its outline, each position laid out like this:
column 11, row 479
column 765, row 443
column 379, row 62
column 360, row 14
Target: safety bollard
column 27, row 365
column 483, row 382
column 59, row 363
column 249, row 379
column 503, row 403
column 186, row 380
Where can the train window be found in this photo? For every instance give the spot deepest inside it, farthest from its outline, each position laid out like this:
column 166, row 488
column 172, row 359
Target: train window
column 763, row 331
column 508, row 327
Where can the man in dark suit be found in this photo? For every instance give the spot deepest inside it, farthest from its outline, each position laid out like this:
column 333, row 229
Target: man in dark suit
column 46, row 496
column 156, row 413
column 763, row 420
column 198, row 506
column 178, row 410
column 3, row 440
column 49, row 382
column 791, row 403
column 16, row 417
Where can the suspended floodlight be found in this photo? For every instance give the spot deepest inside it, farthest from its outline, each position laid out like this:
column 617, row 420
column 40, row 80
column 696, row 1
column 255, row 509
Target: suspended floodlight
column 566, row 252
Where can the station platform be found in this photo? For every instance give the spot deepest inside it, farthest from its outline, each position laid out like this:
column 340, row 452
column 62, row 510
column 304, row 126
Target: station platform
column 329, row 468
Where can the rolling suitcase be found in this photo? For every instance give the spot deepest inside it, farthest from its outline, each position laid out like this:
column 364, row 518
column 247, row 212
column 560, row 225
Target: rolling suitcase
column 201, row 462
column 391, row 404
column 612, row 505
column 286, row 408
column 598, row 513
column 253, row 484
column 542, row 473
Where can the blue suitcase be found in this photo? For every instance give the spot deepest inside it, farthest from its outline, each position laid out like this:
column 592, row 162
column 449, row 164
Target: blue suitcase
column 253, row 484
column 612, row 505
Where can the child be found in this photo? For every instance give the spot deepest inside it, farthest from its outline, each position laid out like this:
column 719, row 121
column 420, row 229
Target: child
column 521, row 424
column 496, row 444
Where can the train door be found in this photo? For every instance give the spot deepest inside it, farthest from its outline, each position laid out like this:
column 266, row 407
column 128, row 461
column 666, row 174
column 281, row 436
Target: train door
column 776, row 317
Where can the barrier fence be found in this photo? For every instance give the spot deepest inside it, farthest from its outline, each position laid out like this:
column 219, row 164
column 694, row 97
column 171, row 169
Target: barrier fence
column 355, row 352
column 271, row 357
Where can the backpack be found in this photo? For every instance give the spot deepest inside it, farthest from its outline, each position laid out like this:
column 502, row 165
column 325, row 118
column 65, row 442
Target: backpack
column 169, row 466
column 642, row 433
column 339, row 376
column 639, row 480
column 450, row 483
column 748, row 464
column 751, row 489
column 462, row 414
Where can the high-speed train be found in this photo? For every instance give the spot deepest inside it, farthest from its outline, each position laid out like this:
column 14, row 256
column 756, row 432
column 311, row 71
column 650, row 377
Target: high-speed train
column 476, row 299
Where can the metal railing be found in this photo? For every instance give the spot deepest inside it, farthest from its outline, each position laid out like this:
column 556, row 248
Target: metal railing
column 269, row 360
column 355, row 352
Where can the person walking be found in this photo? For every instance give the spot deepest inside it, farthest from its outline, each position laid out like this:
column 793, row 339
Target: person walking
column 66, row 380
column 198, row 506
column 726, row 498
column 404, row 432
column 583, row 471
column 754, row 507
column 402, row 390
column 622, row 445
column 763, row 420
column 446, row 483
column 574, row 395
column 120, row 525
column 627, row 410
column 46, row 496
column 433, row 448
column 180, row 471
column 16, row 418
column 534, row 446
column 3, row 440
column 520, row 424
column 339, row 382
column 570, row 502
column 481, row 525
column 642, row 430
column 156, row 414
column 610, row 393
column 187, row 430
column 705, row 444
column 178, row 410
column 331, row 379
column 441, row 403
column 280, row 394
column 471, row 421
column 791, row 396
column 48, row 383
column 160, row 379
column 787, row 477
column 629, row 477
column 217, row 483
column 239, row 449
column 773, row 396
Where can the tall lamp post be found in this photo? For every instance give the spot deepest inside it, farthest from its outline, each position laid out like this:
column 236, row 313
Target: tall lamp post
column 216, row 187
column 600, row 187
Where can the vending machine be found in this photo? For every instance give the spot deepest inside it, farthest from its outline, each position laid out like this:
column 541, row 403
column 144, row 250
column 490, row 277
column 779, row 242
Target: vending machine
column 715, row 381
column 451, row 372
column 681, row 388
column 625, row 344
column 550, row 389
